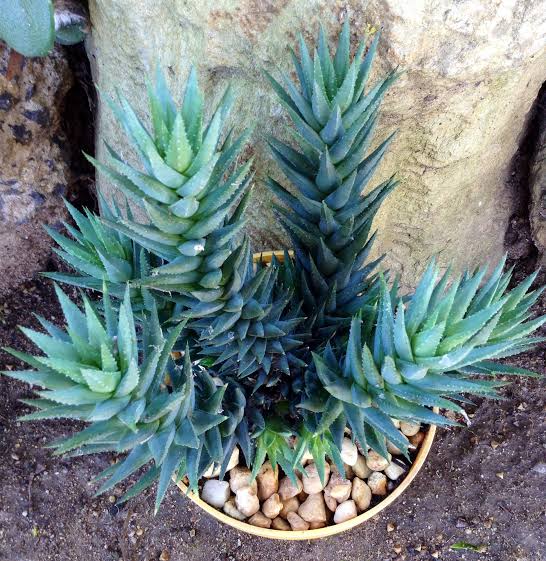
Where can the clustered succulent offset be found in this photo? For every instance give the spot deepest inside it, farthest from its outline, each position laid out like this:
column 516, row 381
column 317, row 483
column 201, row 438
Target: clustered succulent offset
column 297, row 350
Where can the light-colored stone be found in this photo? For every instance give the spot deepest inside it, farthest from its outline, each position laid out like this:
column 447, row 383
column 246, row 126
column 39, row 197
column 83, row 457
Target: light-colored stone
column 297, row 522
column 361, row 494
column 272, row 506
column 338, row 487
column 345, row 511
column 311, row 480
column 268, row 481
column 392, row 449
column 231, row 510
column 313, row 509
column 395, row 422
column 35, row 156
column 393, row 471
column 287, row 489
column 349, row 451
column 331, row 503
column 215, row 492
column 417, row 439
column 241, row 476
column 409, row 429
column 289, row 505
column 214, row 469
column 472, row 71
column 377, row 482
column 280, row 524
column 260, row 520
column 349, row 472
column 246, row 500
column 376, row 462
column 361, row 469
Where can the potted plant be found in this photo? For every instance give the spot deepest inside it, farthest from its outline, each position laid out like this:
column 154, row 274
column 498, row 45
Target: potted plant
column 289, row 392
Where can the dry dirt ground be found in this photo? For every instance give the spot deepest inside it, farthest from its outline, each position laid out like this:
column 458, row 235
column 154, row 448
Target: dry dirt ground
column 485, row 486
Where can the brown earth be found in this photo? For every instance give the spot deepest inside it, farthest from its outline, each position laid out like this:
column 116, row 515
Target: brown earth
column 485, row 485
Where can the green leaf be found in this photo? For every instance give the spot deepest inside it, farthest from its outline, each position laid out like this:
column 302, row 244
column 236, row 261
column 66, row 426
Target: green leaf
column 28, row 26
column 101, row 381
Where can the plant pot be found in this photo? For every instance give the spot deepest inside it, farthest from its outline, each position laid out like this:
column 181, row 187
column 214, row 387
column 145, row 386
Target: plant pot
column 332, row 530
column 327, row 530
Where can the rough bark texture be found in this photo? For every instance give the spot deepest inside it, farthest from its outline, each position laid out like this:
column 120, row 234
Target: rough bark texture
column 33, row 171
column 473, row 70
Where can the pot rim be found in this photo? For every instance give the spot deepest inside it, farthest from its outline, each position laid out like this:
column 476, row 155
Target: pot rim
column 295, row 535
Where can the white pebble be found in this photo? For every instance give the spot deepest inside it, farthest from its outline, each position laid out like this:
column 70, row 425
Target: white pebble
column 215, row 493
column 349, row 452
column 345, row 511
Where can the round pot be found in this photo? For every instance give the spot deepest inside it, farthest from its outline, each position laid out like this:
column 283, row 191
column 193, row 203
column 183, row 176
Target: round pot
column 334, row 529
column 327, row 530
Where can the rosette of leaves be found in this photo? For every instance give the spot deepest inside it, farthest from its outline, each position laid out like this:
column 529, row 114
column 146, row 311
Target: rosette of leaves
column 422, row 352
column 99, row 254
column 329, row 164
column 94, row 371
column 194, row 195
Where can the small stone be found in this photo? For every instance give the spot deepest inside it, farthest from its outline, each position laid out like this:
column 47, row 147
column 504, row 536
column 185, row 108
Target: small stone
column 289, row 505
column 259, row 519
column 349, row 452
column 15, row 457
column 311, row 480
column 316, row 525
column 280, row 524
column 392, row 449
column 376, row 462
column 361, row 494
column 494, row 444
column 500, row 474
column 231, row 510
column 165, row 556
column 349, row 472
column 361, row 469
column 391, row 527
column 331, row 503
column 540, row 468
column 488, row 523
column 408, row 428
column 192, row 532
column 297, row 522
column 345, row 511
column 287, row 489
column 241, row 477
column 139, row 532
column 313, row 509
column 394, row 471
column 214, row 469
column 377, row 482
column 417, row 439
column 24, row 513
column 268, row 481
column 272, row 506
column 338, row 487
column 306, row 458
column 112, row 499
column 397, row 548
column 215, row 492
column 435, row 554
column 246, row 501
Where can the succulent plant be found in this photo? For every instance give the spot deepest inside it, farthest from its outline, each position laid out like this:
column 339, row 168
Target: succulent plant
column 285, row 356
column 194, row 196
column 421, row 353
column 327, row 219
column 101, row 255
